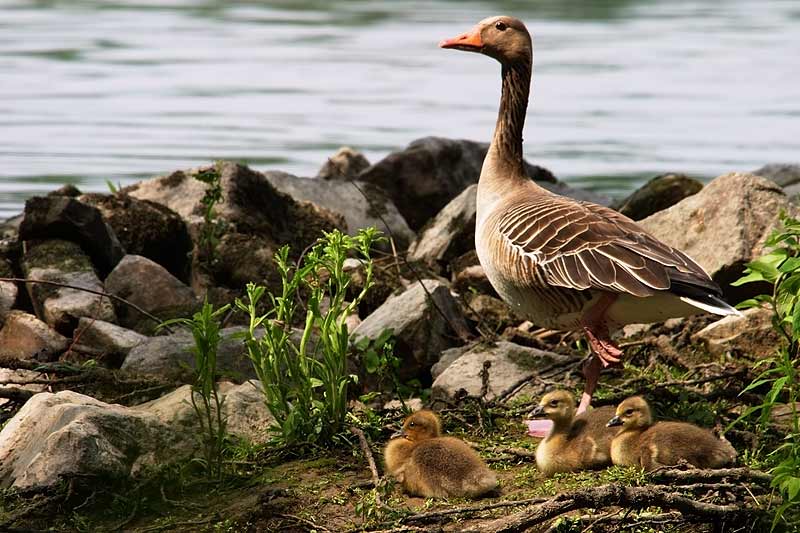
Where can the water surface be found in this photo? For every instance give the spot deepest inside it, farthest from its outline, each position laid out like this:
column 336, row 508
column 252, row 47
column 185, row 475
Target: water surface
column 96, row 91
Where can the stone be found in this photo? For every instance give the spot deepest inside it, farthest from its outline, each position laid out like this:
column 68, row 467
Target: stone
column 26, row 337
column 68, row 189
column 423, row 177
column 21, row 379
column 8, row 290
column 781, row 173
column 450, row 234
column 446, row 359
column 343, row 165
column 110, row 342
column 63, row 217
column 750, row 336
column 658, row 194
column 170, row 356
column 412, row 404
column 61, row 261
column 244, row 409
column 250, row 204
column 783, row 414
column 148, row 229
column 372, row 208
column 55, row 437
column 9, row 228
column 419, row 329
column 724, row 226
column 510, row 365
column 148, row 285
column 468, row 275
column 489, row 314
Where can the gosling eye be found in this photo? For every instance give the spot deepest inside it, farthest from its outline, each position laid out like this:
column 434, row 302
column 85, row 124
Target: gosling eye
column 500, row 25
column 629, row 412
column 553, row 403
column 412, row 424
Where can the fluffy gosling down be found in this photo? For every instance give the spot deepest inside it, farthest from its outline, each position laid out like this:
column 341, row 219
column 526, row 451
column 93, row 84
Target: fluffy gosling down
column 575, row 442
column 432, row 466
column 642, row 443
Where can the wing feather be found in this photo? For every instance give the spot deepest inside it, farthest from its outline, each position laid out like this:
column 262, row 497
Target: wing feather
column 582, row 246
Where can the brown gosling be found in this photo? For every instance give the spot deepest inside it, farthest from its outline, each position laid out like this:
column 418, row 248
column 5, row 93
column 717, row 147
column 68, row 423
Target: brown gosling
column 575, row 442
column 432, row 466
column 640, row 442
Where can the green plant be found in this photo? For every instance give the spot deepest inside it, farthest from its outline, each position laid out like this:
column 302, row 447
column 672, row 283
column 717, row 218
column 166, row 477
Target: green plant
column 780, row 268
column 212, row 228
column 205, row 327
column 305, row 381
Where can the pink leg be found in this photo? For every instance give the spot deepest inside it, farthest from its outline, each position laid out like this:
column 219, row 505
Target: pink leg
column 605, row 352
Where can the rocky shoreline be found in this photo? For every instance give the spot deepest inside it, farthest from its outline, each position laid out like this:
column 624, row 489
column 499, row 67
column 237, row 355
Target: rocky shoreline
column 152, row 252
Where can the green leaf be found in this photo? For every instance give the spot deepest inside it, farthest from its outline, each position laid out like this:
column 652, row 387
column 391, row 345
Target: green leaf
column 750, row 277
column 790, row 265
column 792, row 487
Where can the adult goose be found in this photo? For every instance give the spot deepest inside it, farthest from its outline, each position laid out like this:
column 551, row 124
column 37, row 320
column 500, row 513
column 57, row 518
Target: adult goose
column 567, row 264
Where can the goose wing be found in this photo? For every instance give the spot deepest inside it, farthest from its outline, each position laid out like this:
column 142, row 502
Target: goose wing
column 581, row 245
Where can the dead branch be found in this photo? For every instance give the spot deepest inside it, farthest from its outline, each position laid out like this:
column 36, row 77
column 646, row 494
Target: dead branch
column 605, row 496
column 373, row 469
column 90, row 291
column 471, row 509
column 730, row 474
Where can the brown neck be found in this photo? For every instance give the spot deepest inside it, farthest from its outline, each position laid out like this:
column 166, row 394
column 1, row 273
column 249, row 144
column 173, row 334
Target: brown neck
column 506, row 148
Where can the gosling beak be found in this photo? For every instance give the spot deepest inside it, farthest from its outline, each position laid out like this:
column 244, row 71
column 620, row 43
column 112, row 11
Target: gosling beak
column 537, row 411
column 470, row 41
column 616, row 421
column 399, row 433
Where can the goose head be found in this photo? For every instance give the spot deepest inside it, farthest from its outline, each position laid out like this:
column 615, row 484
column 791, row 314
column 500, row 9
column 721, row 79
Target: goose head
column 421, row 425
column 504, row 38
column 558, row 406
column 632, row 414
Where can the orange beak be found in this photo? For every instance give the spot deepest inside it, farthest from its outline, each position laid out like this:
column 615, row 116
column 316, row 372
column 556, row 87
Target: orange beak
column 470, row 41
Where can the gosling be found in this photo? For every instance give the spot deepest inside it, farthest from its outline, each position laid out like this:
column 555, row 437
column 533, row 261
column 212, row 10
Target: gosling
column 432, row 466
column 651, row 446
column 575, row 442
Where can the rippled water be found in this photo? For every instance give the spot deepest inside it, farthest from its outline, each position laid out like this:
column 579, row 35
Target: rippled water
column 119, row 90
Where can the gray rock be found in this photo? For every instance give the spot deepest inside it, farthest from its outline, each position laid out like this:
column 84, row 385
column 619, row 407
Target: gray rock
column 58, row 436
column 446, row 359
column 510, row 366
column 450, row 233
column 252, row 213
column 62, row 217
column 658, row 194
column 422, row 178
column 26, row 337
column 468, row 275
column 171, row 356
column 148, row 229
column 782, row 174
column 344, row 198
column 61, row 307
column 723, row 226
column 750, row 336
column 343, row 165
column 421, row 333
column 21, row 379
column 110, row 341
column 244, row 409
column 250, row 204
column 8, row 290
column 148, row 285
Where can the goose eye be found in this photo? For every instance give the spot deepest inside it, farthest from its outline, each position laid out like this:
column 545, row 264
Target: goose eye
column 629, row 412
column 554, row 403
column 411, row 424
column 500, row 25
